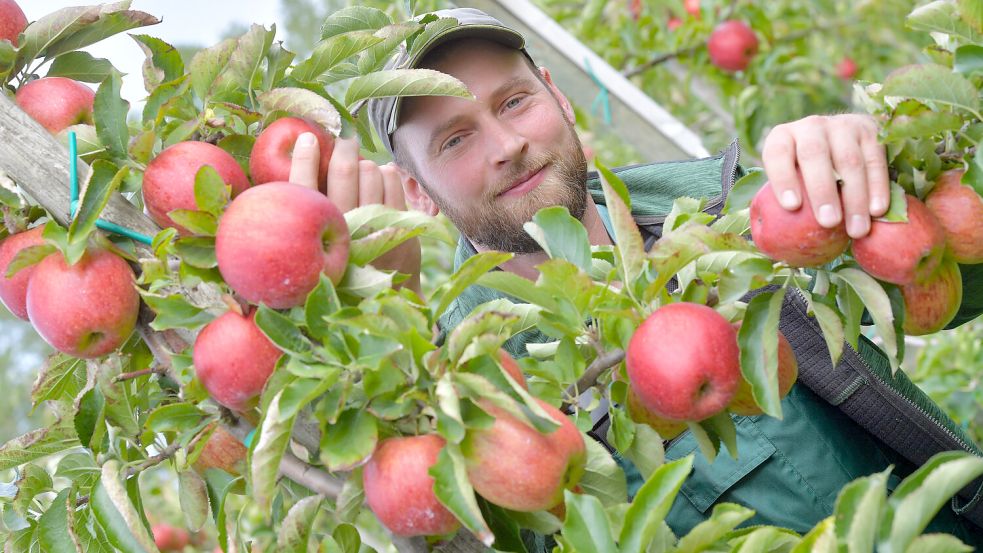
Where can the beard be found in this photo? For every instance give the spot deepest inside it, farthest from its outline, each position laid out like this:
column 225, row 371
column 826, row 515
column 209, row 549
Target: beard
column 496, row 223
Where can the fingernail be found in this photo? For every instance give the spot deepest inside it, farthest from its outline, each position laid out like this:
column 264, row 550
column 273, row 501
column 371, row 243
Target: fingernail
column 790, row 200
column 858, row 226
column 877, row 205
column 306, row 139
column 828, row 215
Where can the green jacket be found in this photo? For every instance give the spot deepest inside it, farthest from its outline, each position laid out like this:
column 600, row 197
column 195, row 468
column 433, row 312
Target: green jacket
column 789, row 470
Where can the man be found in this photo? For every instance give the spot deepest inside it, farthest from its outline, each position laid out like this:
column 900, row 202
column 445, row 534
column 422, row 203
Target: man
column 489, row 163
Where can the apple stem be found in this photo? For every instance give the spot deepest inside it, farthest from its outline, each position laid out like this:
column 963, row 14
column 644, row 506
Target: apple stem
column 233, row 305
column 600, row 364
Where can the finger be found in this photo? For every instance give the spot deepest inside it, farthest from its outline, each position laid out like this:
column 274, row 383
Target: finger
column 370, row 189
column 819, row 182
column 304, row 161
column 848, row 161
column 875, row 161
column 392, row 187
column 778, row 156
column 343, row 174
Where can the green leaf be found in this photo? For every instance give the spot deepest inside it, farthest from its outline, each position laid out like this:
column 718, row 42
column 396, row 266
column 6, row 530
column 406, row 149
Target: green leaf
column 163, row 63
column 348, row 538
column 768, row 538
column 937, row 543
column 630, row 248
column 923, row 122
column 81, row 66
column 238, row 146
column 969, row 59
column 744, row 190
column 282, row 331
column 109, row 112
column 295, row 530
column 116, row 514
column 207, row 64
column 366, row 249
column 104, row 181
column 90, row 417
column 920, row 496
column 452, row 488
column 971, row 12
column 27, row 257
column 211, row 192
column 831, row 325
column 933, row 83
column 469, row 272
column 365, row 282
column 404, row 82
column 374, row 58
column 175, row 417
column 857, row 513
column 725, row 517
column 53, row 536
column 603, row 478
column 333, row 51
column 174, row 311
column 272, row 440
column 201, row 224
column 8, row 56
column 80, row 468
column 878, row 305
column 941, row 16
column 758, row 338
column 302, row 103
column 248, row 56
column 586, row 526
column 646, row 451
column 652, row 503
column 35, row 444
column 450, row 425
column 350, row 441
column 31, row 482
column 352, row 19
column 321, row 302
column 897, row 211
column 193, row 496
column 561, row 236
column 819, row 540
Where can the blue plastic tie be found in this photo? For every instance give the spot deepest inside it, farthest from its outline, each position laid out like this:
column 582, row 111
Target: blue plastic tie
column 603, row 99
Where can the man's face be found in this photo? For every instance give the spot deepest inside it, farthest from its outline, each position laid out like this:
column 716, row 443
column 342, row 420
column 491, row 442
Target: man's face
column 490, row 163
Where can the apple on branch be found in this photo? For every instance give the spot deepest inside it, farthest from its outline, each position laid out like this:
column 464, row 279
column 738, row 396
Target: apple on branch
column 12, row 21
column 513, row 465
column 399, row 488
column 731, row 45
column 684, row 362
column 170, row 538
column 85, row 310
column 933, row 302
column 56, row 102
column 275, row 240
column 902, row 252
column 222, row 450
column 13, row 290
column 169, row 181
column 960, row 211
column 795, row 237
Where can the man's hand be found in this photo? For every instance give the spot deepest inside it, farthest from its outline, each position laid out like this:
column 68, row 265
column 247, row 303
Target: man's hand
column 352, row 183
column 812, row 154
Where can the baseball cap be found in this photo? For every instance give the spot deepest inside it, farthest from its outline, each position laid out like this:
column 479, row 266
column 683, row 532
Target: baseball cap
column 472, row 23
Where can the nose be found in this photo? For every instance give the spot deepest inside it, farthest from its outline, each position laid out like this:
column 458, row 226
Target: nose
column 504, row 143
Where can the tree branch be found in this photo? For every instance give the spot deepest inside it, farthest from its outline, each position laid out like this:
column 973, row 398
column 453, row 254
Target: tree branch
column 155, row 460
column 600, row 364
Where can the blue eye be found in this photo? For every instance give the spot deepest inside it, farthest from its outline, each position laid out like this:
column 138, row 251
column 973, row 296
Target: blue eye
column 513, row 102
column 452, row 142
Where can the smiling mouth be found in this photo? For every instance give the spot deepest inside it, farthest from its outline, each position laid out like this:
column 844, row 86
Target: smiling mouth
column 525, row 183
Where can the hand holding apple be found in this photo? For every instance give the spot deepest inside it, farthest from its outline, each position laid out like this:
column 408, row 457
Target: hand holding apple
column 794, row 237
column 272, row 154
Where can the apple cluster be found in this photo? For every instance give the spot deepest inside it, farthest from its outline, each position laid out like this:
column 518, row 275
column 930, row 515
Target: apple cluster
column 921, row 255
column 509, row 463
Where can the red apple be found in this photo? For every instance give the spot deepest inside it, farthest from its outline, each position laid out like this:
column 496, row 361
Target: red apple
column 683, row 362
column 788, row 371
column 223, row 451
column 846, row 69
column 275, row 240
column 674, row 23
column 85, row 310
column 233, row 359
column 960, row 211
column 271, row 156
column 13, row 291
column 667, row 429
column 169, row 538
column 902, row 253
column 732, row 45
column 56, row 102
column 932, row 303
column 635, row 9
column 169, row 181
column 692, row 7
column 794, row 237
column 12, row 21
column 513, row 465
column 399, row 488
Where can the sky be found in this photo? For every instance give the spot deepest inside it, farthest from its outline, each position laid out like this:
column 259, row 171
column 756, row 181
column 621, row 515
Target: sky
column 182, row 22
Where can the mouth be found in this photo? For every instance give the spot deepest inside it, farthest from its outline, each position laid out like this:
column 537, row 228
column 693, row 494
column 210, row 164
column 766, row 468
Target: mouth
column 525, row 183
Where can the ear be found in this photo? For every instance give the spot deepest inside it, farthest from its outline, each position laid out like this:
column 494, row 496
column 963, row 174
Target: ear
column 560, row 98
column 416, row 196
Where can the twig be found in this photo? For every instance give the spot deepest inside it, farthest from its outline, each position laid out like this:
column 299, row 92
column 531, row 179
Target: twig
column 155, row 460
column 156, row 369
column 629, row 73
column 590, row 376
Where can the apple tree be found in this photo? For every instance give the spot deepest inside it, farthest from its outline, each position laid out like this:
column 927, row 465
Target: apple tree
column 300, row 393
